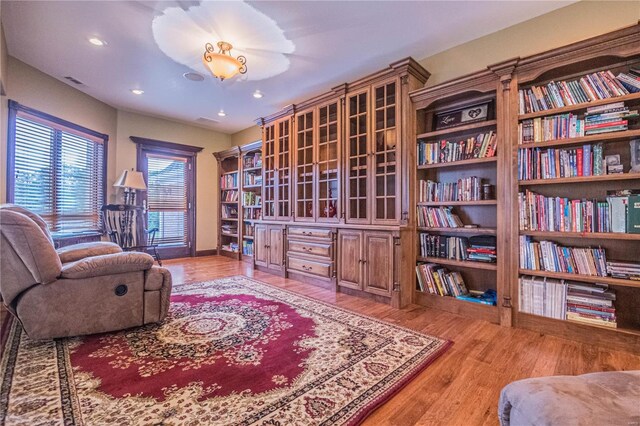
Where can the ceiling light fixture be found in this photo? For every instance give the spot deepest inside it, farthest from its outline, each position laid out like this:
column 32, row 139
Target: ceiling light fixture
column 193, row 76
column 97, row 42
column 222, row 113
column 257, row 94
column 221, row 64
column 137, row 91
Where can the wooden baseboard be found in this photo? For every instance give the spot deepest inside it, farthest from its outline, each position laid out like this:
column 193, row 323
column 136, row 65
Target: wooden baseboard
column 211, row 252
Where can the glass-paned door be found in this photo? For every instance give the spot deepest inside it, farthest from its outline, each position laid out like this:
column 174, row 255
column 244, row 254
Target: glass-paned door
column 385, row 154
column 269, row 170
column 283, row 210
column 168, row 201
column 328, row 142
column 357, row 157
column 305, row 199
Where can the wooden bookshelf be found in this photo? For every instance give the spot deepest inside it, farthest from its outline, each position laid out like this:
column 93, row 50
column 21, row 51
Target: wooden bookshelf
column 251, row 197
column 617, row 52
column 229, row 172
column 475, row 89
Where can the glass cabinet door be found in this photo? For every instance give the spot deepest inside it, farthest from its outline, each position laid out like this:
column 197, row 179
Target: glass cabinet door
column 357, row 157
column 284, row 172
column 269, row 171
column 328, row 142
column 386, row 196
column 304, row 159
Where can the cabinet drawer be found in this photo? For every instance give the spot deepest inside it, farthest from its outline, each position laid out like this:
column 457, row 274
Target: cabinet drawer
column 311, row 267
column 310, row 232
column 313, row 248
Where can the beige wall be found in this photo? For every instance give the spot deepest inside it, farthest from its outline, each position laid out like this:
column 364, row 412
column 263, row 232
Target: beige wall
column 563, row 26
column 248, row 135
column 132, row 124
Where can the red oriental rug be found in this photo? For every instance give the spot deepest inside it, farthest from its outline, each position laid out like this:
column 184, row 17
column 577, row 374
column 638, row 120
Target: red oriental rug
column 232, row 351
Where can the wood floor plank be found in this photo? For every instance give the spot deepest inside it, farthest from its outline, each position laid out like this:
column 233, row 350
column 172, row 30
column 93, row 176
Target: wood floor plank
column 462, row 387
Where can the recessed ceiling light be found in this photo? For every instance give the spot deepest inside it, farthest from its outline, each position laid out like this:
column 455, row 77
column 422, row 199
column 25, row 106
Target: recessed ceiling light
column 137, row 91
column 257, row 94
column 97, row 42
column 222, row 113
column 193, row 76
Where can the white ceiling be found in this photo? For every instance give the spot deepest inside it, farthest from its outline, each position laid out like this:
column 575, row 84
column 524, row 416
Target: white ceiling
column 335, row 42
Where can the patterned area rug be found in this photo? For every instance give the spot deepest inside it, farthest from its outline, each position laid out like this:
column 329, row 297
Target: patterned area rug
column 232, row 351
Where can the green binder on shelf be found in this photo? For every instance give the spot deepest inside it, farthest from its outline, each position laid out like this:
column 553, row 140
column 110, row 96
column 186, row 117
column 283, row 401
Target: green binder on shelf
column 633, row 215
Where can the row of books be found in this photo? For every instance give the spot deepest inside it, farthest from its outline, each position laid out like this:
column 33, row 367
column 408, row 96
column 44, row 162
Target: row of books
column 252, row 160
column 563, row 126
column 251, row 179
column 229, row 196
column 251, row 199
column 247, row 248
column 438, row 217
column 476, row 249
column 553, row 163
column 560, row 299
column 630, row 80
column 549, row 256
column 249, row 229
column 435, row 279
column 229, row 180
column 251, row 214
column 229, row 212
column 465, row 189
column 591, row 87
column 444, row 151
column 540, row 213
column 624, row 270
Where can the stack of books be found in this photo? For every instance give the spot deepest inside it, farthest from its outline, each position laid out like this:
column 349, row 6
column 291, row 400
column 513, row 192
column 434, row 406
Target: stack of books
column 608, row 118
column 564, row 126
column 435, row 279
column 438, row 217
column 443, row 246
column 444, row 151
column 229, row 180
column 232, row 247
column 630, row 80
column 546, row 297
column 624, row 270
column 465, row 189
column 591, row 304
column 229, row 212
column 552, row 163
column 229, row 228
column 591, row 87
column 230, row 195
column 540, row 213
column 251, row 199
column 482, row 249
column 549, row 256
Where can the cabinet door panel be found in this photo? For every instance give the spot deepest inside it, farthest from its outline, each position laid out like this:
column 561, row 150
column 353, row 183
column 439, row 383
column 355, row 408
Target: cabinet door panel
column 385, row 191
column 350, row 259
column 269, row 172
column 283, row 193
column 328, row 158
column 378, row 277
column 260, row 246
column 304, row 166
column 357, row 158
column 276, row 248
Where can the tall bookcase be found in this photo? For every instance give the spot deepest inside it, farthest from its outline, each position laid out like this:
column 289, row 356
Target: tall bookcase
column 617, row 52
column 251, row 207
column 229, row 242
column 434, row 105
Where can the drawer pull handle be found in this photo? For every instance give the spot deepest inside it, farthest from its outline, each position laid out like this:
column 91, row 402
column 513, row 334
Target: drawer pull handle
column 306, row 268
column 306, row 249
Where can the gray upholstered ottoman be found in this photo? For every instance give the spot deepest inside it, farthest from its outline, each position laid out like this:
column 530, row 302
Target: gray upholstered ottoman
column 611, row 398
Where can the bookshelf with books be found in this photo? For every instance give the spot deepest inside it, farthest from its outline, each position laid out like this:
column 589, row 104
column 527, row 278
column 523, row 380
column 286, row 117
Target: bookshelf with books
column 457, row 197
column 229, row 213
column 575, row 142
column 251, row 206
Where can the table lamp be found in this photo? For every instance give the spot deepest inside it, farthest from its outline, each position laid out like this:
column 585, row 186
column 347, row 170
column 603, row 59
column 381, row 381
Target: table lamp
column 131, row 181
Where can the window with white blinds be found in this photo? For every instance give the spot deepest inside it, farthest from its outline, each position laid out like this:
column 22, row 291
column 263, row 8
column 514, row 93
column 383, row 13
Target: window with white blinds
column 167, row 198
column 58, row 171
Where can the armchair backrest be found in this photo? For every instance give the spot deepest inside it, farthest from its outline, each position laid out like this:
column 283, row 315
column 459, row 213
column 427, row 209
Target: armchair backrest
column 27, row 255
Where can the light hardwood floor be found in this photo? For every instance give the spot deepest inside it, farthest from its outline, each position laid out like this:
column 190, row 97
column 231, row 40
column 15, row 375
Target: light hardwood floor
column 460, row 388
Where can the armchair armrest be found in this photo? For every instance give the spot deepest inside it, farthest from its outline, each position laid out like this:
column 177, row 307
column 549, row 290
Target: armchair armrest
column 82, row 250
column 108, row 264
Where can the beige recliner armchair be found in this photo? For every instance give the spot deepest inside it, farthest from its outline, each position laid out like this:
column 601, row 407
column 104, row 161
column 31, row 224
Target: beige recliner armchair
column 76, row 290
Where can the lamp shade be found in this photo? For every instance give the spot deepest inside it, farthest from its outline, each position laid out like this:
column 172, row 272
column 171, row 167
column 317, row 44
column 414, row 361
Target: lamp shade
column 131, row 179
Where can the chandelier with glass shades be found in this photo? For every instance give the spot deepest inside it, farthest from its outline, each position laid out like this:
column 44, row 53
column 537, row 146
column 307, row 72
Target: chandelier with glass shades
column 221, row 64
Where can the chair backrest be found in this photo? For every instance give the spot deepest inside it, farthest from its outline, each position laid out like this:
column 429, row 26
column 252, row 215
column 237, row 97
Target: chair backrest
column 124, row 224
column 27, row 255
